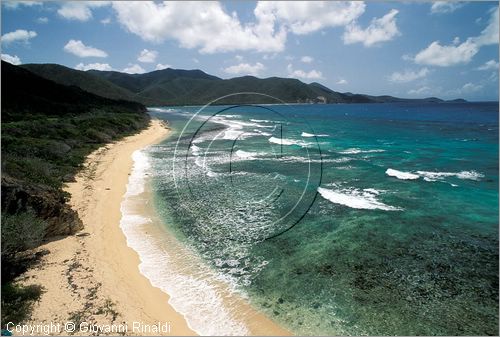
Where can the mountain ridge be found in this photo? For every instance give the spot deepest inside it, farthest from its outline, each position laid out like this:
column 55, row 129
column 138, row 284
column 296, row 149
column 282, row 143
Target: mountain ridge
column 194, row 87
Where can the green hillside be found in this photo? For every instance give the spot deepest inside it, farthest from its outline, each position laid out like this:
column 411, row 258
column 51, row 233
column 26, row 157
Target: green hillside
column 82, row 79
column 194, row 87
column 47, row 131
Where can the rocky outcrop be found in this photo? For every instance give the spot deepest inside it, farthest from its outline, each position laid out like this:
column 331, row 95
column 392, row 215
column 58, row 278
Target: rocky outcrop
column 47, row 203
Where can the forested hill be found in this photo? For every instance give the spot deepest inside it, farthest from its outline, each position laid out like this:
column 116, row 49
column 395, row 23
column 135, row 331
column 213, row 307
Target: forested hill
column 194, row 87
column 26, row 95
column 47, row 131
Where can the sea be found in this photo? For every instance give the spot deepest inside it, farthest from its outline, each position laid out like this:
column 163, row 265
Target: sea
column 334, row 219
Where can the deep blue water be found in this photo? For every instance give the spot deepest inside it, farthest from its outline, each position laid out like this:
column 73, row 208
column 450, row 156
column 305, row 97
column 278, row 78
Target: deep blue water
column 342, row 219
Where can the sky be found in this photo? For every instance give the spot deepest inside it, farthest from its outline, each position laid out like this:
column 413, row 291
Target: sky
column 405, row 49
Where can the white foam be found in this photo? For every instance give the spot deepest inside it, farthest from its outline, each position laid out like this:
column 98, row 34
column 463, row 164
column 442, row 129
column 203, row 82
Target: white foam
column 355, row 199
column 308, row 135
column 372, row 191
column 401, row 175
column 314, row 159
column 431, row 176
column 287, row 141
column 136, row 182
column 195, row 291
column 235, row 128
column 263, row 133
column 465, row 175
column 163, row 110
column 264, row 121
column 232, row 134
column 356, row 151
column 195, row 149
column 246, row 155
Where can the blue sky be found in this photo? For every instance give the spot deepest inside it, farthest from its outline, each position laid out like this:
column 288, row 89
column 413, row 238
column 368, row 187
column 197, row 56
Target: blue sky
column 405, row 49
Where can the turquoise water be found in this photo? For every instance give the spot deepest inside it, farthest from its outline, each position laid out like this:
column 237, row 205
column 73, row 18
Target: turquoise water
column 342, row 219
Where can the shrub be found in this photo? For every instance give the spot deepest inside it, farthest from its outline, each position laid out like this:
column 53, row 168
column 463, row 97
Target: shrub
column 21, row 232
column 17, row 302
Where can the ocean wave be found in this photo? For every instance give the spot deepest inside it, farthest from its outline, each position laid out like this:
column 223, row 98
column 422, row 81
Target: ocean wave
column 265, row 121
column 314, row 159
column 248, row 155
column 353, row 198
column 195, row 149
column 195, row 292
column 287, row 141
column 401, row 175
column 235, row 128
column 308, row 135
column 164, row 110
column 434, row 176
column 262, row 133
column 356, row 151
column 464, row 175
column 136, row 182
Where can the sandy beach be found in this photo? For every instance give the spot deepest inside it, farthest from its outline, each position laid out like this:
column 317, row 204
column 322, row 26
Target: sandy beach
column 93, row 277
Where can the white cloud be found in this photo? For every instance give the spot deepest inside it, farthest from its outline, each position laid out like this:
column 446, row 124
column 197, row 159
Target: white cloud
column 20, row 35
column 42, row 20
column 76, row 47
column 420, row 91
column 160, row 66
column 208, row 27
column 466, row 89
column 239, row 58
column 79, row 10
column 407, row 57
column 307, row 59
column 341, row 81
column 195, row 60
column 245, row 69
column 380, row 30
column 203, row 25
column 11, row 59
column 96, row 66
column 15, row 4
column 437, row 55
column 147, row 56
column 269, row 56
column 304, row 17
column 490, row 34
column 441, row 7
column 469, row 88
column 305, row 75
column 106, row 21
column 490, row 65
column 441, row 55
column 134, row 69
column 408, row 75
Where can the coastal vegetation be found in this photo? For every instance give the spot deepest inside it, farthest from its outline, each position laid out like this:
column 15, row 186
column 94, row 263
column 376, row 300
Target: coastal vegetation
column 47, row 131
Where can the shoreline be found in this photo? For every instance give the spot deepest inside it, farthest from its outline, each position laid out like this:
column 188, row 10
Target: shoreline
column 97, row 275
column 93, row 276
column 208, row 303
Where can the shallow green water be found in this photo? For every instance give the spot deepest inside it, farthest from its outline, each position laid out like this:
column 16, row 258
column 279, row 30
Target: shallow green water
column 385, row 222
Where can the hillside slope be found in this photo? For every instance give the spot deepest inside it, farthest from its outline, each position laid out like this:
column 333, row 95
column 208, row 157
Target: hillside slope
column 47, row 130
column 194, row 87
column 83, row 79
